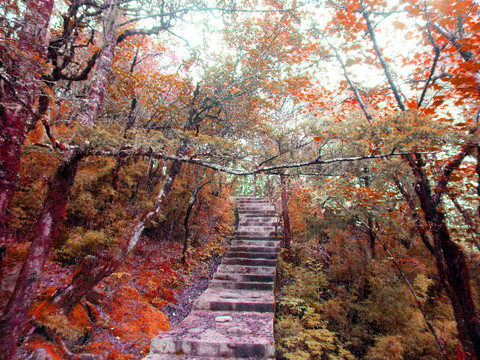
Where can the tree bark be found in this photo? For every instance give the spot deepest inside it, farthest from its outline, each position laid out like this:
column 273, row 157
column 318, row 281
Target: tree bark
column 191, row 203
column 477, row 170
column 51, row 217
column 451, row 261
column 468, row 220
column 415, row 216
column 16, row 101
column 103, row 69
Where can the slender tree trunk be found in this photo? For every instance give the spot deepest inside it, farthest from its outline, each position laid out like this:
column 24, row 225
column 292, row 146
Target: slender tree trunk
column 191, row 203
column 371, row 235
column 93, row 270
column 477, row 170
column 132, row 116
column 468, row 220
column 416, row 217
column 287, row 232
column 440, row 343
column 15, row 314
column 11, row 139
column 103, row 67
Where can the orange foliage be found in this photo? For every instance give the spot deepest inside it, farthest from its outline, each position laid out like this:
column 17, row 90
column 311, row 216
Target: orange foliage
column 71, row 325
column 131, row 316
column 36, row 341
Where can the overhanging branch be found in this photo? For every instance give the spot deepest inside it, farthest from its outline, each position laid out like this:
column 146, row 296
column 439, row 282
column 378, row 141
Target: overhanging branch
column 149, row 152
column 235, row 171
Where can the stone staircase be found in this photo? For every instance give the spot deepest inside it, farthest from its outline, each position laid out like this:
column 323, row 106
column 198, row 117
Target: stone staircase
column 233, row 318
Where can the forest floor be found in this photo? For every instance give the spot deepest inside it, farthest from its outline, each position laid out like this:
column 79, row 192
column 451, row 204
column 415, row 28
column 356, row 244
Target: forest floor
column 199, row 281
column 151, row 292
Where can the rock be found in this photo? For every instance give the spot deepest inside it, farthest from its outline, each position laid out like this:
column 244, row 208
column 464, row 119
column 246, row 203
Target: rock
column 41, row 354
column 222, row 319
column 238, row 331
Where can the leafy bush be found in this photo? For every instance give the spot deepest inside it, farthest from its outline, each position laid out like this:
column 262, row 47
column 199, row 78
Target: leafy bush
column 80, row 243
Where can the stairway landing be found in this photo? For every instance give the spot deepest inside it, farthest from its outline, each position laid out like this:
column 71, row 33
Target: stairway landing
column 233, row 318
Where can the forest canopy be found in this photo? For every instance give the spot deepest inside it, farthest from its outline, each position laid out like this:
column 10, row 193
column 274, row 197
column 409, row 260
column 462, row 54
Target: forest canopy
column 127, row 125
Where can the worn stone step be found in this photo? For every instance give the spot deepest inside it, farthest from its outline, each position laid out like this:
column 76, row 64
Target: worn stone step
column 244, row 208
column 232, row 276
column 256, row 238
column 270, row 243
column 256, row 228
column 260, row 209
column 195, row 357
column 257, row 219
column 249, row 262
column 256, row 234
column 245, row 199
column 256, row 249
column 218, row 299
column 246, row 269
column 253, row 205
column 258, row 214
column 248, row 285
column 258, row 198
column 251, row 255
column 243, row 335
column 249, row 223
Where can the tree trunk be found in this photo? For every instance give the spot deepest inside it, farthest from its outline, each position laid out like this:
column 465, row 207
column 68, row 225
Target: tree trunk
column 371, row 235
column 477, row 170
column 451, row 262
column 15, row 314
column 287, row 233
column 16, row 101
column 468, row 220
column 93, row 270
column 89, row 113
column 191, row 202
column 416, row 217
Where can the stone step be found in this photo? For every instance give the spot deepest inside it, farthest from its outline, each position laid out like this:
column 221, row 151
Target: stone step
column 218, row 299
column 249, row 262
column 258, row 213
column 232, row 276
column 247, row 285
column 244, row 199
column 270, row 243
column 246, row 269
column 255, row 207
column 257, row 238
column 258, row 234
column 238, row 335
column 256, row 228
column 255, row 249
column 258, row 223
column 258, row 219
column 251, row 254
column 195, row 357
